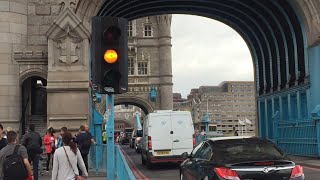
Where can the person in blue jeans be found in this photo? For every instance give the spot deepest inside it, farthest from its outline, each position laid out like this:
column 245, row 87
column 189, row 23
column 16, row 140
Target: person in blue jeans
column 33, row 142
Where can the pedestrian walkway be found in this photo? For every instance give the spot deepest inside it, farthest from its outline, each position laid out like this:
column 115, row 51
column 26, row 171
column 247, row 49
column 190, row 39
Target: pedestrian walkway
column 92, row 176
column 306, row 161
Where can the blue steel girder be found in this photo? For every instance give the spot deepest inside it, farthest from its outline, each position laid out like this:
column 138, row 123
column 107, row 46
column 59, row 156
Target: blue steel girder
column 282, row 41
column 280, row 12
column 304, row 34
column 293, row 37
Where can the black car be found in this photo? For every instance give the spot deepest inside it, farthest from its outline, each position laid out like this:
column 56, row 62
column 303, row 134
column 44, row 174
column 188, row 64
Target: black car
column 239, row 158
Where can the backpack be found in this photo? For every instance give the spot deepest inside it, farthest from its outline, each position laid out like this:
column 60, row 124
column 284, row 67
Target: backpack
column 13, row 164
column 86, row 144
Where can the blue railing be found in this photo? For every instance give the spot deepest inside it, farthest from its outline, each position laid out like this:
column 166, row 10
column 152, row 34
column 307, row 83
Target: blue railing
column 297, row 137
column 123, row 171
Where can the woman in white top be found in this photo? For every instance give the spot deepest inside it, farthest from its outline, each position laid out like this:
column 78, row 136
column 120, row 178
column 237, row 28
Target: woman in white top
column 66, row 159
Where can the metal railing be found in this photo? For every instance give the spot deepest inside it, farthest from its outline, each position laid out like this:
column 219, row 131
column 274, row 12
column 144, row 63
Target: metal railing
column 297, row 137
column 123, row 170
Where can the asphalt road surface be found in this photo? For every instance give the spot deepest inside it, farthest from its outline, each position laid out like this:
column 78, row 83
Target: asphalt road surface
column 171, row 171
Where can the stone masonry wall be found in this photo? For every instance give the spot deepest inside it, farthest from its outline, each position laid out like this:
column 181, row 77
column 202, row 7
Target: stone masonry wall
column 13, row 37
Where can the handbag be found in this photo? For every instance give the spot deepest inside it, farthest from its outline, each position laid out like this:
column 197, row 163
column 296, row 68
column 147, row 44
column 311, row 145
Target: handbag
column 77, row 177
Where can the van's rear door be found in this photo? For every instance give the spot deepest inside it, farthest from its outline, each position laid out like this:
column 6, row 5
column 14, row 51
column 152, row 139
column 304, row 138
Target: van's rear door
column 182, row 128
column 160, row 127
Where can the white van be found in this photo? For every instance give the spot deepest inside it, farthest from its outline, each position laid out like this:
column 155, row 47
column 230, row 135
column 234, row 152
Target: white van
column 166, row 135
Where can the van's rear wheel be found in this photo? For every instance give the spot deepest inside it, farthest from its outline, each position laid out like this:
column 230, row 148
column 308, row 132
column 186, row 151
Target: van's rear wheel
column 149, row 163
column 143, row 161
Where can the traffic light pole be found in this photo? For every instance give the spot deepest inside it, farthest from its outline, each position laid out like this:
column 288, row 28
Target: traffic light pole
column 110, row 135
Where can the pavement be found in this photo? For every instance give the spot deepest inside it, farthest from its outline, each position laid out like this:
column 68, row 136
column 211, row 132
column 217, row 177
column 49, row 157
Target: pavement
column 92, row 176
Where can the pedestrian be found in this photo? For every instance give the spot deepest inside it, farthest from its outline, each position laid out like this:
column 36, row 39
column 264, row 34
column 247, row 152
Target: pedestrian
column 66, row 159
column 3, row 140
column 62, row 131
column 33, row 142
column 84, row 140
column 49, row 142
column 14, row 171
column 86, row 127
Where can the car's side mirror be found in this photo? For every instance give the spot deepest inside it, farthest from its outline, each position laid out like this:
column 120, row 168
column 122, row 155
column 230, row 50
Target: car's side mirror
column 185, row 155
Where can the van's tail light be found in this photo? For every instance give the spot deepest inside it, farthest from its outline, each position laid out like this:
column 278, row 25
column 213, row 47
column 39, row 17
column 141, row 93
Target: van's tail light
column 194, row 140
column 149, row 143
column 297, row 171
column 227, row 174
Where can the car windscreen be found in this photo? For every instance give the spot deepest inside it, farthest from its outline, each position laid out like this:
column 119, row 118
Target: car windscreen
column 245, row 150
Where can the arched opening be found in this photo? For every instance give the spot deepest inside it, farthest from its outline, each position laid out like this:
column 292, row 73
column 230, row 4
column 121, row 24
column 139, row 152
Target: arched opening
column 34, row 104
column 277, row 44
column 270, row 28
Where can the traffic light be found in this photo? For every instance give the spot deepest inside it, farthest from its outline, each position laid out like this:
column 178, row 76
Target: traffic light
column 109, row 55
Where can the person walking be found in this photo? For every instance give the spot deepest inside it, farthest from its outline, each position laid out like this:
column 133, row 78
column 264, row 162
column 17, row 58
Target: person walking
column 66, row 159
column 86, row 127
column 49, row 142
column 3, row 140
column 84, row 140
column 62, row 131
column 10, row 149
column 33, row 142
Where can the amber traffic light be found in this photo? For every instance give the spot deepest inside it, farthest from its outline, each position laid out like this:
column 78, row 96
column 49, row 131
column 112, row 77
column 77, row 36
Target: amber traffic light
column 110, row 56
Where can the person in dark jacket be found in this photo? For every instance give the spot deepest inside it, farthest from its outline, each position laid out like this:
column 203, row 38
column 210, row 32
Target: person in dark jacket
column 3, row 141
column 84, row 140
column 33, row 142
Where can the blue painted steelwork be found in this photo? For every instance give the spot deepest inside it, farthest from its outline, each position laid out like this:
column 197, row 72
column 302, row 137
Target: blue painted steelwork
column 293, row 37
column 314, row 55
column 138, row 121
column 97, row 121
column 110, row 135
column 298, row 137
column 205, row 121
column 282, row 36
column 304, row 34
column 153, row 94
column 123, row 170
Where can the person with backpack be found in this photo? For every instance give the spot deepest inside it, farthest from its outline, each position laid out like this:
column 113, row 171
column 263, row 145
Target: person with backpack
column 66, row 160
column 83, row 140
column 14, row 163
column 33, row 142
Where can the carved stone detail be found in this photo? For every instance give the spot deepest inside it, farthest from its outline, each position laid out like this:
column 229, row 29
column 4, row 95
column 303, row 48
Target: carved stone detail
column 69, row 44
column 72, row 4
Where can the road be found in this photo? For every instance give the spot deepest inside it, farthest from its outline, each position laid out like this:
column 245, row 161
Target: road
column 171, row 171
column 158, row 172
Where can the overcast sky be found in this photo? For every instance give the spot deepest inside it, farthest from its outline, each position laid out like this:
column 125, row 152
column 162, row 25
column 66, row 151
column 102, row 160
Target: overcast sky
column 207, row 52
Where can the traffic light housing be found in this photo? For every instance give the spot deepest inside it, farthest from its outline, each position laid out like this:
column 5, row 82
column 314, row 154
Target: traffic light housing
column 109, row 55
